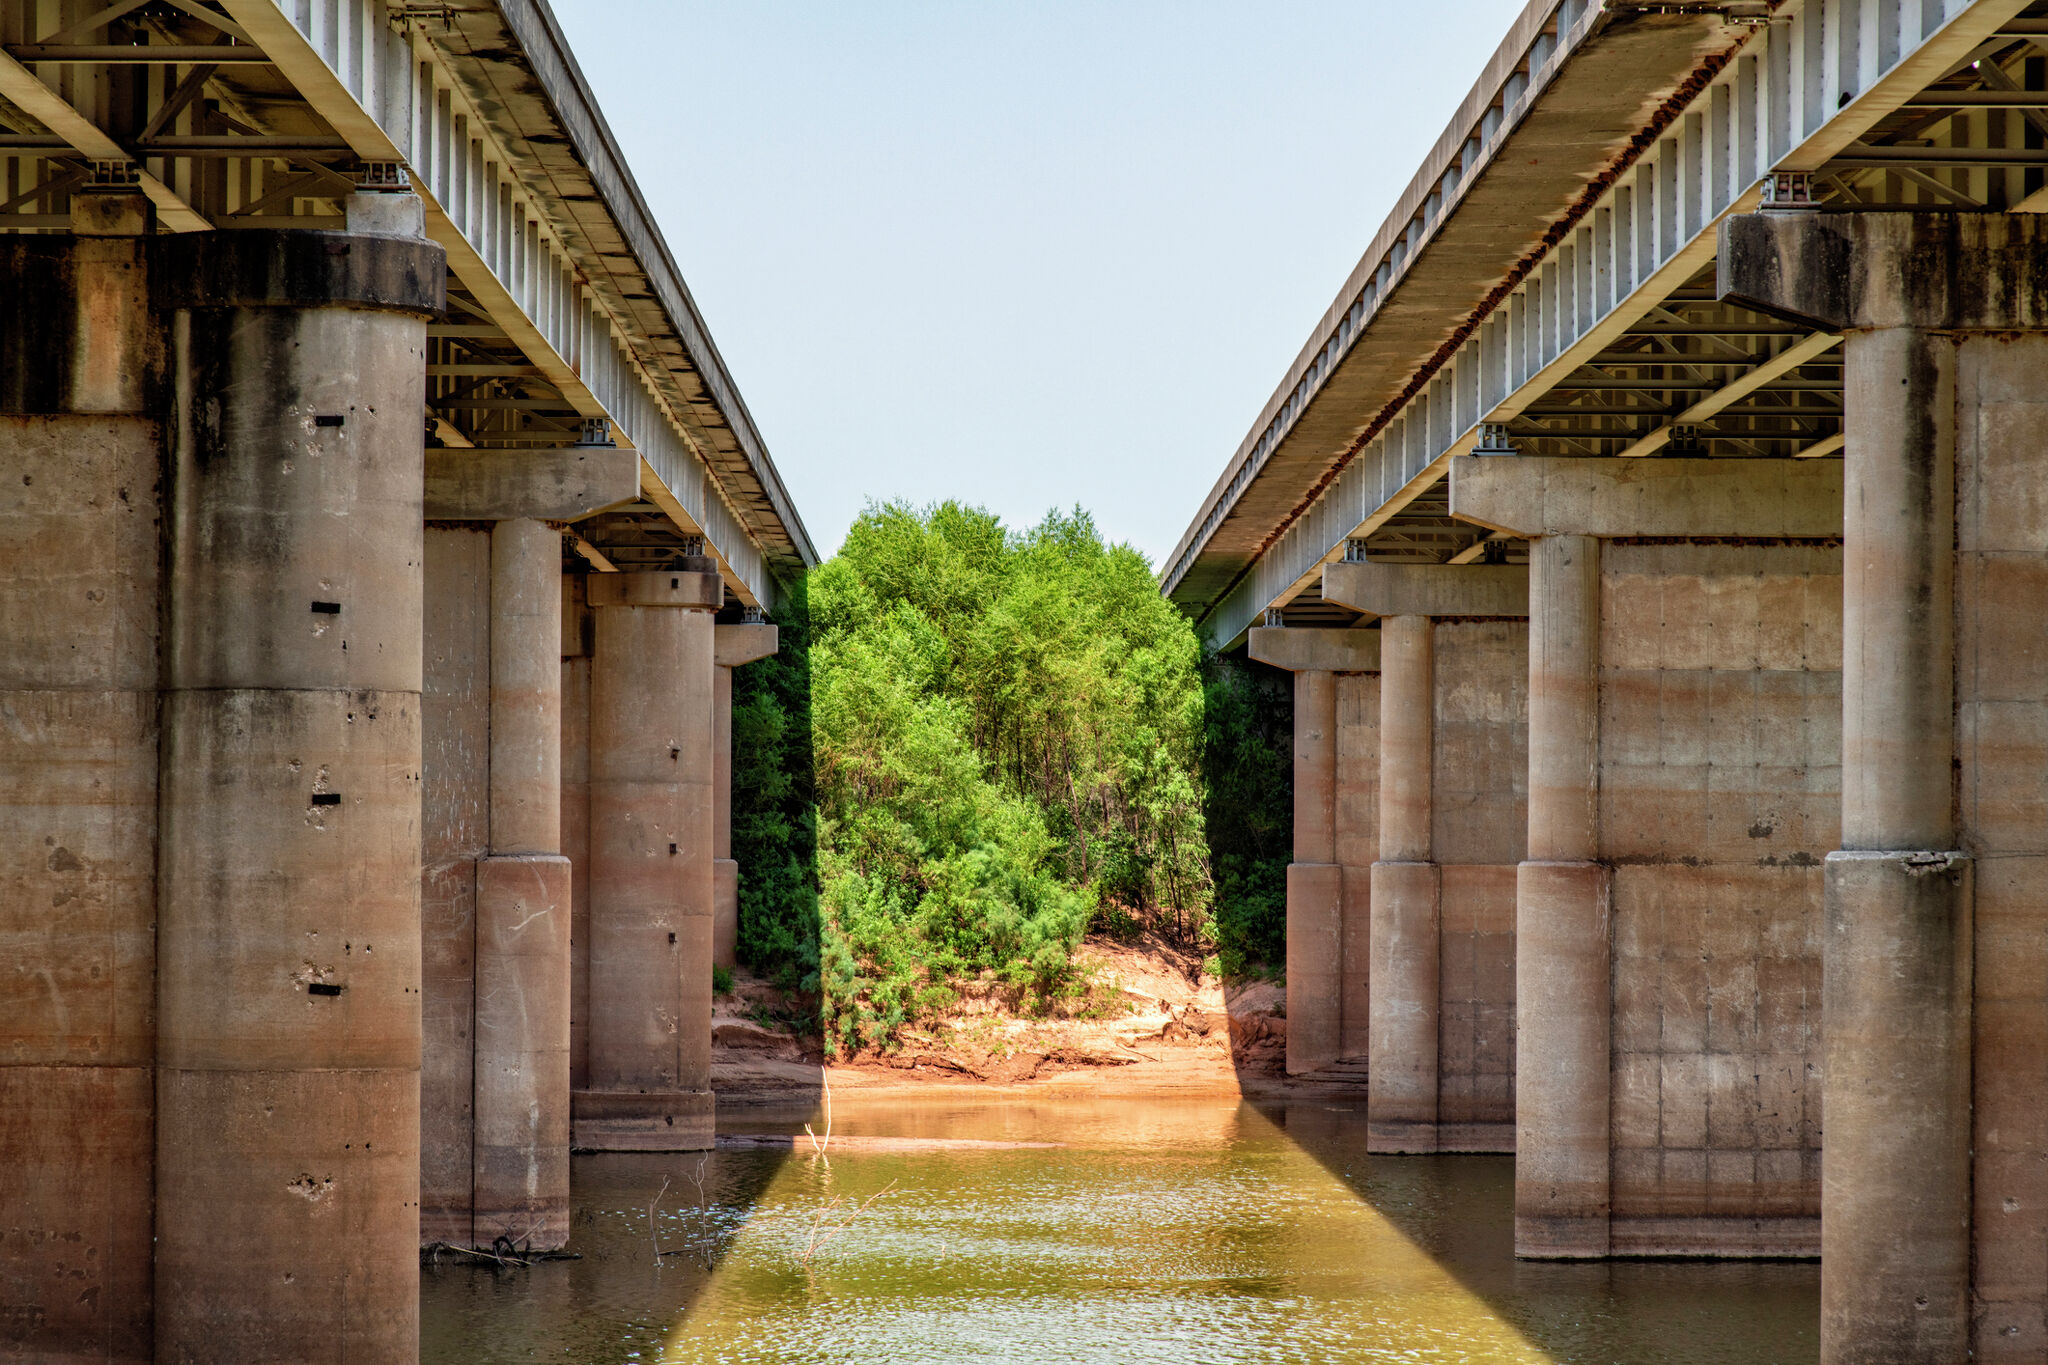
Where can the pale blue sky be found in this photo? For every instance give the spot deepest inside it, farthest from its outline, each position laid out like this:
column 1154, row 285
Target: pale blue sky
column 1021, row 254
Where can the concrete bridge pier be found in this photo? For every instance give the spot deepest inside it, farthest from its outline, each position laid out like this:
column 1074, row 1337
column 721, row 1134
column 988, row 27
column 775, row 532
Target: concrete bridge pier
column 734, row 645
column 495, row 885
column 1442, row 1049
column 651, row 802
column 1401, row 1106
column 80, row 514
column 1562, row 922
column 288, row 931
column 1934, row 1208
column 520, row 1166
column 1682, row 701
column 1336, row 777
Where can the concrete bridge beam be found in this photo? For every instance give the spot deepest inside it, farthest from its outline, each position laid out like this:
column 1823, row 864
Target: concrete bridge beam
column 1932, row 1209
column 651, row 802
column 1336, row 769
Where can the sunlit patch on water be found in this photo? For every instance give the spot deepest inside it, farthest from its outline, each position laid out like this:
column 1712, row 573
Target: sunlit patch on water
column 1156, row 1230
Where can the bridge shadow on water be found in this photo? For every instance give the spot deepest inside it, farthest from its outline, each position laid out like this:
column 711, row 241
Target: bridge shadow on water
column 1459, row 1210
column 648, row 1232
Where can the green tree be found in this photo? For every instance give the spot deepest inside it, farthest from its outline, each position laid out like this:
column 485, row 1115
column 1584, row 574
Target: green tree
column 1248, row 805
column 1007, row 730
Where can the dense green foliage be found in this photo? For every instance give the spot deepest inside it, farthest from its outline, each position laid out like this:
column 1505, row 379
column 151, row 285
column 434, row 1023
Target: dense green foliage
column 1006, row 731
column 976, row 743
column 774, row 804
column 1248, row 804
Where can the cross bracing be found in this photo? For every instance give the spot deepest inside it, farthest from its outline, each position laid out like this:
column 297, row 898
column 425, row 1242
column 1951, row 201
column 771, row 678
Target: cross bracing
column 564, row 306
column 1602, row 337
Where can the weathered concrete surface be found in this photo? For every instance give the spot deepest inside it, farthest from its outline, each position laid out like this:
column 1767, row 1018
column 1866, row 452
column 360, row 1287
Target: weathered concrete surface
column 1937, row 272
column 2002, row 810
column 80, row 598
column 288, row 972
column 1356, row 844
column 1667, row 496
column 526, row 687
column 1479, row 830
column 734, row 646
column 521, row 1143
column 1561, row 921
column 1429, row 589
column 1315, row 883
column 1719, row 778
column 1684, row 760
column 540, row 485
column 455, row 709
column 1935, row 1210
column 1305, row 650
column 1402, row 1078
column 651, row 778
column 1329, row 883
column 579, row 630
column 520, row 1181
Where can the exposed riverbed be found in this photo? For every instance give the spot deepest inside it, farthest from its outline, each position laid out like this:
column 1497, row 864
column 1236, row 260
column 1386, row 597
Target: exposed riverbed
column 1025, row 1227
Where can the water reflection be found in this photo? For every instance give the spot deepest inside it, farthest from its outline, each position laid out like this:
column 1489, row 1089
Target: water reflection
column 1184, row 1230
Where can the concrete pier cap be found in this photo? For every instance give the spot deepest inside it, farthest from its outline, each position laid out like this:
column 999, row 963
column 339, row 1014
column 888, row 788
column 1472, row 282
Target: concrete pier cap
column 1429, row 589
column 1315, row 650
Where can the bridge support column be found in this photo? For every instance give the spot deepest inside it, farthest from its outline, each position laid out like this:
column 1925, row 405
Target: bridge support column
column 288, row 967
column 1451, row 831
column 651, row 794
column 1562, row 932
column 1336, row 723
column 1933, row 907
column 81, row 595
column 1682, row 695
column 1315, row 882
column 520, row 1170
column 734, row 645
column 1401, row 1111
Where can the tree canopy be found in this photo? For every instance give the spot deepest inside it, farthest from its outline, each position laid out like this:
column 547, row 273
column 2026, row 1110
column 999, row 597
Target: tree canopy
column 999, row 739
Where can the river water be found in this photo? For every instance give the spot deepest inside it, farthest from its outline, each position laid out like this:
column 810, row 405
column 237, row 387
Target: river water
column 1029, row 1229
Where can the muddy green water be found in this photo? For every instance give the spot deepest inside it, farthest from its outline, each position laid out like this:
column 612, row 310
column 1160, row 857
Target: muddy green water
column 1154, row 1230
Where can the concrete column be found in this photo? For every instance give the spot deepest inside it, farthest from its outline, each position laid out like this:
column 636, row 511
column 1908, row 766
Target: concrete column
column 1315, row 883
column 288, row 980
column 1319, row 977
column 578, row 639
column 1895, row 1177
column 1562, row 933
column 520, row 1157
column 81, row 586
column 651, row 791
column 1900, row 988
column 1406, row 883
column 725, row 873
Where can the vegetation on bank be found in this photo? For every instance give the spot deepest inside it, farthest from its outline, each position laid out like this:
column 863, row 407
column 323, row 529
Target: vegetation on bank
column 975, row 745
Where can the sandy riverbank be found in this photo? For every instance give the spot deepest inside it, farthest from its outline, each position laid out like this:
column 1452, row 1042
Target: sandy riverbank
column 1153, row 1023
